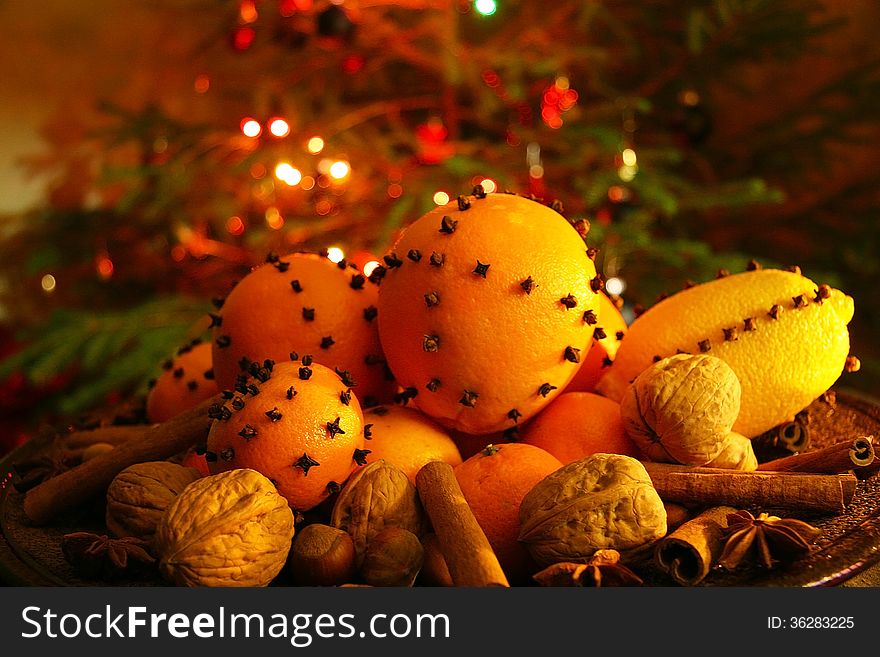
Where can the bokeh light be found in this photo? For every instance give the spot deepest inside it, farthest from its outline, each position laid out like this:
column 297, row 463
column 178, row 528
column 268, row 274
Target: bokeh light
column 279, row 127
column 251, row 127
column 335, row 254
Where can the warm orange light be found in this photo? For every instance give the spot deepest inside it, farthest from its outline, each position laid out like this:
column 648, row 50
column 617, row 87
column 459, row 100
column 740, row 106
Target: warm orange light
column 395, row 190
column 335, row 254
column 307, row 183
column 178, row 253
column 315, row 145
column 288, row 173
column 274, row 220
column 258, row 170
column 202, row 84
column 248, row 11
column 251, row 127
column 235, row 226
column 279, row 127
column 105, row 267
column 489, row 185
column 48, row 283
column 370, row 267
column 323, row 207
column 441, row 197
column 340, row 169
column 616, row 194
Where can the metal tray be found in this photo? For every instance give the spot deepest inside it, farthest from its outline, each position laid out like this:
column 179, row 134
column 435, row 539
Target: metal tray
column 848, row 547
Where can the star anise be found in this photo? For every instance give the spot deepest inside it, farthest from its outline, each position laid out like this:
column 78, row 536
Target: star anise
column 46, row 465
column 603, row 569
column 768, row 538
column 98, row 555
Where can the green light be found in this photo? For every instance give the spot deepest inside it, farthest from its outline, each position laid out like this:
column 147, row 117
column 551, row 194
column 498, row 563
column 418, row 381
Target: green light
column 485, row 7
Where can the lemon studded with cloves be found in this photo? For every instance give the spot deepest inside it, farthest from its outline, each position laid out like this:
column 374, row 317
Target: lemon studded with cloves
column 784, row 336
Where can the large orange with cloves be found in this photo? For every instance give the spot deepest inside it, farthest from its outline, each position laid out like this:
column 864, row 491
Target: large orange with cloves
column 484, row 308
column 298, row 424
column 302, row 303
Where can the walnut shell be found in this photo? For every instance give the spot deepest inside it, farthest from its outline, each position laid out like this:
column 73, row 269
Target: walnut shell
column 138, row 497
column 681, row 409
column 378, row 495
column 229, row 529
column 737, row 454
column 603, row 501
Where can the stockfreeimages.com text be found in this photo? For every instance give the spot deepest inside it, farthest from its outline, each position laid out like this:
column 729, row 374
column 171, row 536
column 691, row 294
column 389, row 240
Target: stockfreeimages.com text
column 300, row 629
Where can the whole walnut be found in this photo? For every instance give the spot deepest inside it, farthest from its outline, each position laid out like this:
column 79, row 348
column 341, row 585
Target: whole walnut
column 737, row 454
column 139, row 495
column 682, row 408
column 378, row 495
column 603, row 501
column 229, row 529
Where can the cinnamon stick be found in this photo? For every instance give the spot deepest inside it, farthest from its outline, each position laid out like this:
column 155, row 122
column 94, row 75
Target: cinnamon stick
column 795, row 491
column 468, row 554
column 157, row 442
column 110, row 434
column 688, row 553
column 839, row 457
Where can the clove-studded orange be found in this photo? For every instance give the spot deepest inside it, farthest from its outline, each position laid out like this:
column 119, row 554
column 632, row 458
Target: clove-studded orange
column 601, row 355
column 297, row 424
column 302, row 302
column 482, row 309
column 783, row 335
column 186, row 380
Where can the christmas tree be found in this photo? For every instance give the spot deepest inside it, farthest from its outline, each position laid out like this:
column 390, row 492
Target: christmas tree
column 676, row 129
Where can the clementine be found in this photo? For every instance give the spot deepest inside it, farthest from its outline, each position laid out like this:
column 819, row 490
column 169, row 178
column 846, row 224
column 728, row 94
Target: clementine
column 407, row 438
column 494, row 483
column 578, row 424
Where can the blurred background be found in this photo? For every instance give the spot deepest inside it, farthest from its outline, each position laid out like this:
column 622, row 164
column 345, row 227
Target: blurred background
column 151, row 153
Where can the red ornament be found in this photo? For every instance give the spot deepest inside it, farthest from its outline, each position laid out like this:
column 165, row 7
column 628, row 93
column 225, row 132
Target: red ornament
column 242, row 38
column 352, row 64
column 557, row 99
column 433, row 147
column 288, row 7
